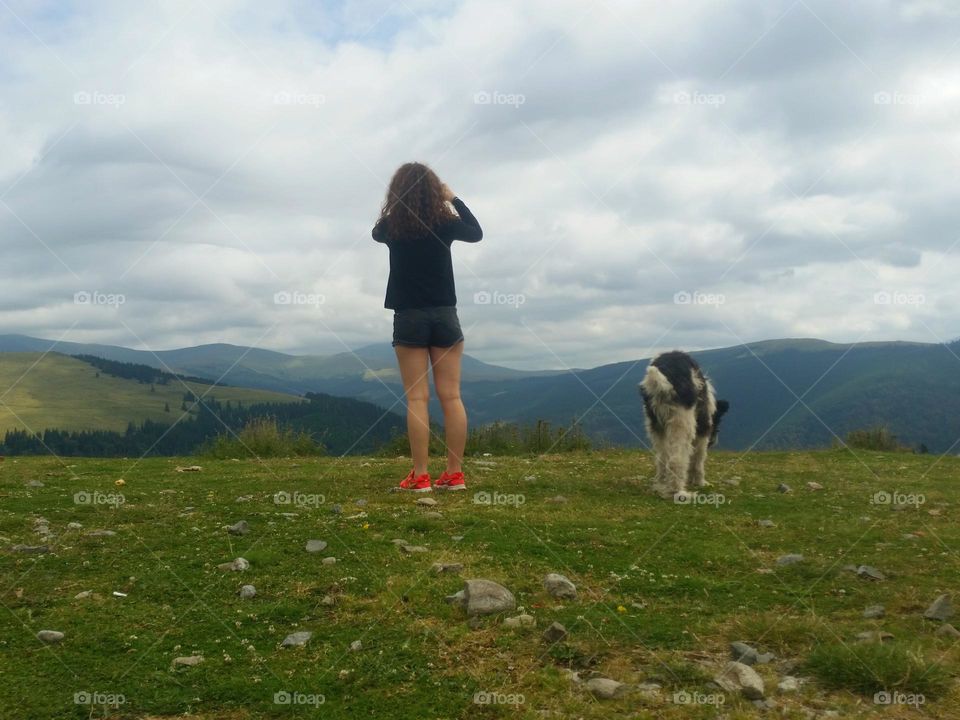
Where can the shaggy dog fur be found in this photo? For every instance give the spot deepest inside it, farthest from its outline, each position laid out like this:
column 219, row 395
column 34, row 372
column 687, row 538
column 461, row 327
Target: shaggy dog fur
column 682, row 418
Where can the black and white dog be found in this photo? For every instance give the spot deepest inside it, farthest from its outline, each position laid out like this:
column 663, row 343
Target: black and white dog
column 682, row 418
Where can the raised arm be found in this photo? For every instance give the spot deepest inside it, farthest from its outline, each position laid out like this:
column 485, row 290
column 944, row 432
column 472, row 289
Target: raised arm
column 466, row 228
column 380, row 231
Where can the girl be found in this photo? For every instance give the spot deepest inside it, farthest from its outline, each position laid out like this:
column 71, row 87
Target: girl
column 417, row 225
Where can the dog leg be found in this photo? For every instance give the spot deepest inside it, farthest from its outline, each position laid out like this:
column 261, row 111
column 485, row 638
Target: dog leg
column 679, row 448
column 660, row 484
column 698, row 458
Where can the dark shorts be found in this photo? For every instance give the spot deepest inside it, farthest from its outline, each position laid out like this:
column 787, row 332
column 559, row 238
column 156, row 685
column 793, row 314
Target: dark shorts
column 427, row 327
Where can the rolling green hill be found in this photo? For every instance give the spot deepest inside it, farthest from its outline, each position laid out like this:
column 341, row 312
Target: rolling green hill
column 57, row 391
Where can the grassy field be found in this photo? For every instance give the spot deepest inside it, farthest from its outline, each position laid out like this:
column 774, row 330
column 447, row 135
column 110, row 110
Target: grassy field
column 57, row 391
column 663, row 588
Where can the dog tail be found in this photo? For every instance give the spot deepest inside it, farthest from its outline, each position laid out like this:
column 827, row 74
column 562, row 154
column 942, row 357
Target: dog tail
column 656, row 385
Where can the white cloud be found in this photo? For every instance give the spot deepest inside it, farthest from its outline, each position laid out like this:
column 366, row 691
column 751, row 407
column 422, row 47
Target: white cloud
column 226, row 151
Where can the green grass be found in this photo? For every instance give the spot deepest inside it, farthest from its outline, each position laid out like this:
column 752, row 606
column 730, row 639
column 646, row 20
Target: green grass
column 57, row 391
column 663, row 588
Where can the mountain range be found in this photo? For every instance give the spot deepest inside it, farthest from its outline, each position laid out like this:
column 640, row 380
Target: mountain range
column 792, row 393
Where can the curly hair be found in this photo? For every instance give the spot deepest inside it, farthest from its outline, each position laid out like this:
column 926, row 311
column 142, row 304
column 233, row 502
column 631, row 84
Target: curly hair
column 415, row 202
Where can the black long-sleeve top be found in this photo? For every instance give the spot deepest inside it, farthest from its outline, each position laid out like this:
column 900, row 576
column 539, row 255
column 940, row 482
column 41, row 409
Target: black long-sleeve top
column 421, row 268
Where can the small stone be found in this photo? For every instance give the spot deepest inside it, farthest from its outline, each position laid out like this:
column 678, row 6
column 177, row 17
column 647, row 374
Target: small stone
column 427, row 502
column 741, row 652
column 947, row 630
column 941, row 609
column 605, row 688
column 433, row 515
column 360, row 502
column 241, row 527
column 869, row 572
column 788, row 684
column 731, row 481
column 328, row 601
column 555, row 633
column 74, row 526
column 296, row 639
column 51, row 637
column 83, row 595
column 783, row 488
column 790, row 559
column 447, row 568
column 236, row 565
column 874, row 636
column 315, row 546
column 398, row 542
column 356, row 646
column 873, row 612
column 456, row 538
column 329, row 561
column 99, row 533
column 737, row 677
column 247, row 592
column 412, row 549
column 336, row 509
column 188, row 661
column 814, row 486
column 520, row 621
column 560, row 587
column 557, row 500
column 766, row 523
column 35, row 484
column 30, row 549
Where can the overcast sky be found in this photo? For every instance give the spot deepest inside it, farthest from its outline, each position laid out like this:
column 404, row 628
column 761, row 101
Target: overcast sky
column 687, row 174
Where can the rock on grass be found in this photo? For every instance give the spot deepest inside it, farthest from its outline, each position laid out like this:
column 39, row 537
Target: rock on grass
column 739, row 678
column 483, row 597
column 560, row 587
column 297, row 639
column 605, row 688
column 940, row 609
column 315, row 546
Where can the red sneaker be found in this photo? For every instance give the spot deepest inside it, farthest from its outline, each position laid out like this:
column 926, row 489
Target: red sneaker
column 451, row 481
column 416, row 483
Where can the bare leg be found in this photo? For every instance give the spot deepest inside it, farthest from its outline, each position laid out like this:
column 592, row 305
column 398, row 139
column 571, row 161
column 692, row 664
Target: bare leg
column 414, row 370
column 446, row 379
column 696, row 477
